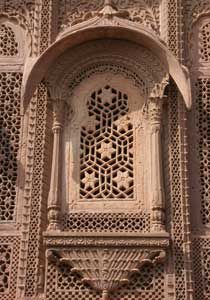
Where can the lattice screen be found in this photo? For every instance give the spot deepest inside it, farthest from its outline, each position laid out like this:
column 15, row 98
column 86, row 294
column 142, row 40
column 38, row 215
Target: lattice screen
column 62, row 284
column 106, row 222
column 204, row 40
column 201, row 264
column 107, row 147
column 8, row 43
column 9, row 250
column 203, row 127
column 10, row 84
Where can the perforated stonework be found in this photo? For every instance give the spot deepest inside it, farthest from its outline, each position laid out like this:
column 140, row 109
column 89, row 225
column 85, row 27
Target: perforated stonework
column 35, row 257
column 9, row 248
column 177, row 230
column 203, row 128
column 106, row 159
column 8, row 43
column 106, row 222
column 149, row 284
column 10, row 84
column 5, row 261
column 201, row 267
column 63, row 284
column 45, row 25
column 204, row 40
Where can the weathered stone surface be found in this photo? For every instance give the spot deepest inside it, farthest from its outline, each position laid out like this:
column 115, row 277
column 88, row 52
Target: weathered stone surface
column 104, row 171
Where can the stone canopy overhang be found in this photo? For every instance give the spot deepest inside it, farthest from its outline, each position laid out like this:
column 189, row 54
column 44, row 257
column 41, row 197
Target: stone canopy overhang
column 101, row 28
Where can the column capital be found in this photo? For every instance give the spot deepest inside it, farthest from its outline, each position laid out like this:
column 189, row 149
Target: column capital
column 58, row 113
column 158, row 89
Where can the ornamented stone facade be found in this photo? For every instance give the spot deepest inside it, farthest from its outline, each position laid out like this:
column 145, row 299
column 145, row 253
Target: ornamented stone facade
column 105, row 149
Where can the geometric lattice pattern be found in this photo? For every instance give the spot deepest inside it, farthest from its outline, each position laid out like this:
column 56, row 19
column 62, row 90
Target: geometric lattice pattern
column 5, row 263
column 8, row 43
column 62, row 284
column 35, row 254
column 106, row 159
column 205, row 43
column 201, row 268
column 203, row 128
column 9, row 255
column 106, row 222
column 10, row 84
column 149, row 284
column 206, row 270
column 176, row 194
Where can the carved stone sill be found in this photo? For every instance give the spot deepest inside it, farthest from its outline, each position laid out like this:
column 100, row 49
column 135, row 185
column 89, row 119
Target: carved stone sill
column 62, row 239
column 105, row 261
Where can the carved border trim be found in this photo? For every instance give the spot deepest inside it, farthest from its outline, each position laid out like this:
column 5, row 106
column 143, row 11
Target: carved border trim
column 62, row 240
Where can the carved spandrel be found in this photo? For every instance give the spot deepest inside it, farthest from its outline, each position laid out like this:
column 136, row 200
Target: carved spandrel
column 144, row 12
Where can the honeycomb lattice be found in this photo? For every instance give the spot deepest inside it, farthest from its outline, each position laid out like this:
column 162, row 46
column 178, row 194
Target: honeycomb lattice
column 45, row 25
column 205, row 43
column 106, row 222
column 5, row 264
column 148, row 285
column 172, row 26
column 201, row 268
column 176, row 195
column 10, row 84
column 38, row 194
column 8, row 43
column 203, row 128
column 9, row 250
column 63, row 284
column 106, row 159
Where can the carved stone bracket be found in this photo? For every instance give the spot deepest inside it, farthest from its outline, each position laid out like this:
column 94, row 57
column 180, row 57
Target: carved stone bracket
column 106, row 267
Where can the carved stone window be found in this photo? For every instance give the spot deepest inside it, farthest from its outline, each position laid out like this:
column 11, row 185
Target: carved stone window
column 106, row 160
column 106, row 177
column 108, row 136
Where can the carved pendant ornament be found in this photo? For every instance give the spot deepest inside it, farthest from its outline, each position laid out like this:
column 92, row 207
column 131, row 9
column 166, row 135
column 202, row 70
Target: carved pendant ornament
column 106, row 268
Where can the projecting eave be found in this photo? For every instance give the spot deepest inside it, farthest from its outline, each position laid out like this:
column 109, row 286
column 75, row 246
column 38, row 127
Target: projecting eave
column 102, row 28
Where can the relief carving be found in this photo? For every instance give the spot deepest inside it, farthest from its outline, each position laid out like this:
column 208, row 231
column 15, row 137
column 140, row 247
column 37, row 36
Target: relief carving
column 106, row 269
column 144, row 12
column 25, row 14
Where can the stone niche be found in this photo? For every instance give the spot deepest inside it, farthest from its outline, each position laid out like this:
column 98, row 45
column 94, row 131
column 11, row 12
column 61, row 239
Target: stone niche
column 106, row 201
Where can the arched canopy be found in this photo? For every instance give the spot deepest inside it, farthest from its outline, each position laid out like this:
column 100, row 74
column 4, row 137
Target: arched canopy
column 35, row 69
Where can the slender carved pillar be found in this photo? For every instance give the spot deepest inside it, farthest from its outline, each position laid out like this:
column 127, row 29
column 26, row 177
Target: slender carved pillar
column 157, row 190
column 54, row 205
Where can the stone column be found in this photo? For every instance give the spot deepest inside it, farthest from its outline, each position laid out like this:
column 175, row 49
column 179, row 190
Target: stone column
column 54, row 198
column 157, row 189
